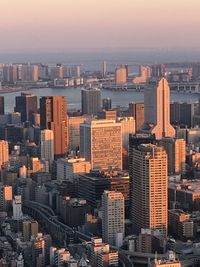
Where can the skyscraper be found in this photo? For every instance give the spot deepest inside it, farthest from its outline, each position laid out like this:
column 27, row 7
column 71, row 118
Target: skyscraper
column 104, row 69
column 121, row 74
column 47, row 145
column 128, row 127
column 1, row 105
column 148, row 174
column 101, row 143
column 4, row 152
column 90, row 101
column 53, row 115
column 157, row 109
column 176, row 152
column 26, row 104
column 113, row 217
column 137, row 111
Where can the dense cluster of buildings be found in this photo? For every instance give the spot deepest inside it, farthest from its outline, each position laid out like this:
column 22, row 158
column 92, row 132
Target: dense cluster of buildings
column 113, row 178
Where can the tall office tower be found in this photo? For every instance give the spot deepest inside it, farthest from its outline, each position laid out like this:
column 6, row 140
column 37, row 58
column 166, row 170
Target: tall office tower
column 47, row 145
column 121, row 75
column 10, row 73
column 128, row 127
column 157, row 109
column 107, row 103
column 113, row 217
column 90, row 101
column 148, row 174
column 104, row 69
column 101, row 143
column 29, row 72
column 184, row 113
column 158, row 70
column 176, row 152
column 26, row 104
column 74, row 131
column 137, row 111
column 56, row 72
column 29, row 229
column 5, row 197
column 53, row 116
column 17, row 208
column 4, row 152
column 126, row 67
column 1, row 105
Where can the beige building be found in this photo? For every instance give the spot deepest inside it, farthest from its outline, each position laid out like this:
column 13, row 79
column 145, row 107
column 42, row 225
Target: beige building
column 113, row 217
column 6, row 196
column 47, row 145
column 38, row 166
column 74, row 131
column 101, row 143
column 157, row 109
column 4, row 152
column 137, row 111
column 176, row 152
column 128, row 127
column 120, row 75
column 145, row 74
column 149, row 196
column 69, row 169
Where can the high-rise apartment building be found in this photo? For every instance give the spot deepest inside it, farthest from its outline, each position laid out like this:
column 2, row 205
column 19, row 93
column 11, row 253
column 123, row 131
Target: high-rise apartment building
column 56, row 72
column 1, row 105
column 29, row 72
column 121, row 75
column 157, row 109
column 53, row 116
column 5, row 197
column 101, row 143
column 176, row 152
column 137, row 111
column 113, row 217
column 90, row 101
column 47, row 145
column 74, row 131
column 26, row 104
column 4, row 152
column 148, row 174
column 128, row 127
column 17, row 208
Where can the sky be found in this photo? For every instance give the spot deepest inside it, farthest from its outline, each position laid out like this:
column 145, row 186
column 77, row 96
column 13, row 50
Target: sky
column 60, row 25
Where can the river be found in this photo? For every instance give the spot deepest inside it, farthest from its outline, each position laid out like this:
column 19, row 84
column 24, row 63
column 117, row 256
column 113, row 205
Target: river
column 73, row 95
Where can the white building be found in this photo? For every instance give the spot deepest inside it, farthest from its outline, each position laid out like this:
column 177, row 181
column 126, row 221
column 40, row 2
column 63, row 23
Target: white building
column 17, row 208
column 68, row 169
column 113, row 217
column 47, row 145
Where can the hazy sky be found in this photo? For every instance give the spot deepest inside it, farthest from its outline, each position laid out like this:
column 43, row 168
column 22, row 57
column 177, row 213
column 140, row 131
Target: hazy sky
column 50, row 25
